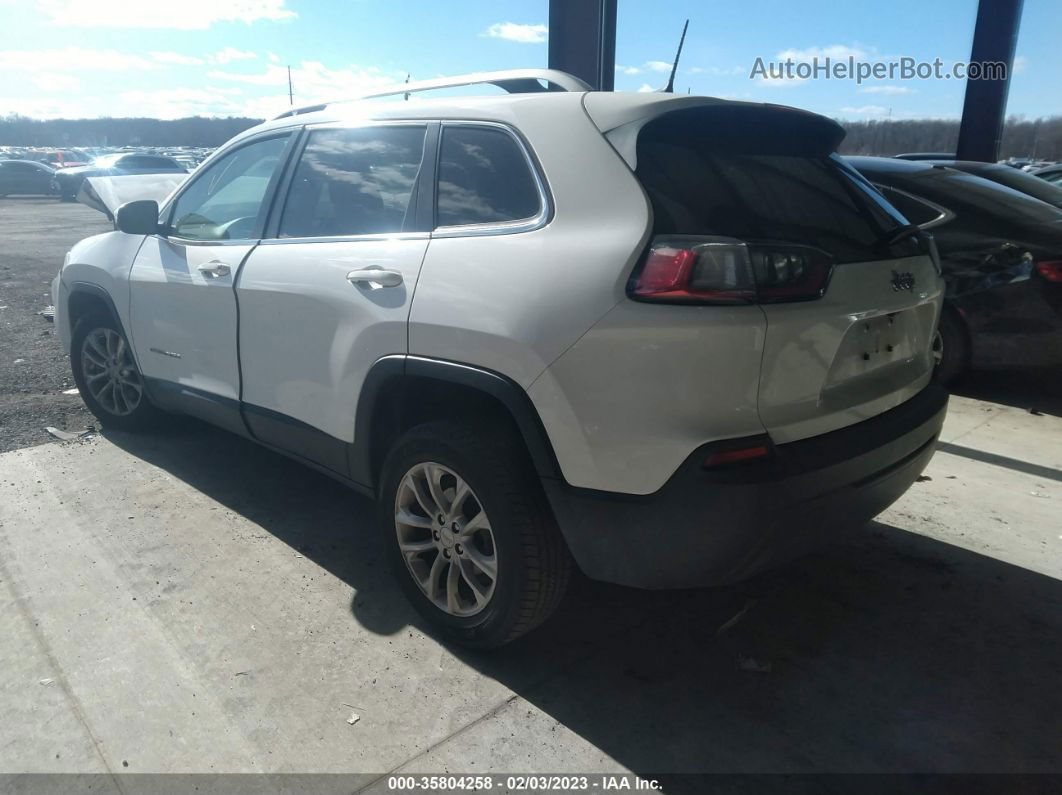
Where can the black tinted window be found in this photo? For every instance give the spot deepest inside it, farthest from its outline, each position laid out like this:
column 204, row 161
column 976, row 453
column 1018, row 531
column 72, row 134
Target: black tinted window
column 484, row 178
column 766, row 185
column 354, row 182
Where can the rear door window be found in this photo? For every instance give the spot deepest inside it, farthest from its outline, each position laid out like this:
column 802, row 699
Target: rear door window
column 484, row 178
column 354, row 182
column 772, row 182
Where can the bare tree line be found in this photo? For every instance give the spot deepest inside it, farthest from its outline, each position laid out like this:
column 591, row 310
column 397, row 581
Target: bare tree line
column 1041, row 138
column 1022, row 137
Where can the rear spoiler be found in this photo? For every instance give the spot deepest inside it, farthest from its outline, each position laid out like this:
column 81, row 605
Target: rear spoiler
column 107, row 194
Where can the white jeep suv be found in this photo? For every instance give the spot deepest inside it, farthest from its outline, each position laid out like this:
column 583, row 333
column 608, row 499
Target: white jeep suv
column 672, row 339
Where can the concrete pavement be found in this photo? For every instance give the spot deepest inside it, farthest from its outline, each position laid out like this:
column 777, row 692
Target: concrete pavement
column 188, row 602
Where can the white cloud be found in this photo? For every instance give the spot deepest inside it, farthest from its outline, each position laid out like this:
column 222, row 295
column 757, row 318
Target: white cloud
column 176, row 58
column 313, row 81
column 47, row 81
column 628, row 70
column 833, row 51
column 230, row 54
column 658, row 66
column 274, row 57
column 1021, row 63
column 645, row 88
column 865, row 110
column 511, row 31
column 179, row 103
column 184, row 15
column 72, row 59
column 888, row 91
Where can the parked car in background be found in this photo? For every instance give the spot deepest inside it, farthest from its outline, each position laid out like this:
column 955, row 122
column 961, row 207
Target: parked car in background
column 62, row 158
column 1011, row 177
column 1001, row 253
column 26, row 177
column 673, row 338
column 119, row 164
column 1052, row 174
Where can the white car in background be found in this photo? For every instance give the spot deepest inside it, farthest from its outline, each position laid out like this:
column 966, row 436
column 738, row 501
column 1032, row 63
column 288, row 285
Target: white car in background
column 672, row 339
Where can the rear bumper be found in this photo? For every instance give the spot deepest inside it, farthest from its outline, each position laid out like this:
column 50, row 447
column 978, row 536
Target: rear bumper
column 714, row 527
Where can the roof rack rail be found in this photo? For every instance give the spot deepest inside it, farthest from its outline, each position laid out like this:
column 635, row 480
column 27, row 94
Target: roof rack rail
column 515, row 81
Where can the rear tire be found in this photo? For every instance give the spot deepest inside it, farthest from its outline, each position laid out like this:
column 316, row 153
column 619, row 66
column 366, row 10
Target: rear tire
column 107, row 375
column 951, row 347
column 485, row 568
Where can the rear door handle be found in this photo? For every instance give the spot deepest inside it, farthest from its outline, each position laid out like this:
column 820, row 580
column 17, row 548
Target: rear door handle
column 375, row 277
column 214, row 269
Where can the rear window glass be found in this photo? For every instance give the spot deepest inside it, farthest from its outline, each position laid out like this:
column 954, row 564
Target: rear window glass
column 484, row 178
column 781, row 186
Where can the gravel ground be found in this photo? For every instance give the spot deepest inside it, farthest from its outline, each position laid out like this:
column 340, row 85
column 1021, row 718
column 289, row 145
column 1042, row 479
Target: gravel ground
column 34, row 371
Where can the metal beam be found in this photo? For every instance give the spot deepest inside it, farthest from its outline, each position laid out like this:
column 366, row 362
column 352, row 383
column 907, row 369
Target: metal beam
column 985, row 107
column 582, row 40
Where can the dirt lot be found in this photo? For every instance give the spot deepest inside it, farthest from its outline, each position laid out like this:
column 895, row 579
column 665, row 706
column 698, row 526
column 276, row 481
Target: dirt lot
column 36, row 234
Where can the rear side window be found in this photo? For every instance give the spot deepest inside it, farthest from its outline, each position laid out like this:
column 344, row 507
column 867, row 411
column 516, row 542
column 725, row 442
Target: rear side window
column 914, row 210
column 767, row 177
column 354, row 182
column 484, row 178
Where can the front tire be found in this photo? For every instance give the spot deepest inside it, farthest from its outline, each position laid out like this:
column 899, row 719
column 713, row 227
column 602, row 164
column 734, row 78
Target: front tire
column 107, row 376
column 471, row 537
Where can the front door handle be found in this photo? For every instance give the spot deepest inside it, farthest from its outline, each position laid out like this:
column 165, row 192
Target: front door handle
column 214, row 269
column 375, row 277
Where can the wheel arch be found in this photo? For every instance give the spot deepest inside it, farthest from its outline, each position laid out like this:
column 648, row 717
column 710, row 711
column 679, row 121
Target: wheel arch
column 86, row 297
column 402, row 391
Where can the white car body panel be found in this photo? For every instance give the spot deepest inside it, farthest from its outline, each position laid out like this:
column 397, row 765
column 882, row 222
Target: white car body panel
column 107, row 194
column 514, row 302
column 815, row 378
column 625, row 390
column 184, row 321
column 103, row 260
column 308, row 336
column 645, row 386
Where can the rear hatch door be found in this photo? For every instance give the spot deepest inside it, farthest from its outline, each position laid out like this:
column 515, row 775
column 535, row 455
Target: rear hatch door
column 860, row 342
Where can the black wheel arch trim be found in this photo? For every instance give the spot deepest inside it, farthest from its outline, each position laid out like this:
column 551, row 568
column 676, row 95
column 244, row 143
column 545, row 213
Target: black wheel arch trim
column 503, row 389
column 88, row 288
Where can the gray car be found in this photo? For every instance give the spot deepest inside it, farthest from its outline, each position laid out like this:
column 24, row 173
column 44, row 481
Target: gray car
column 26, row 177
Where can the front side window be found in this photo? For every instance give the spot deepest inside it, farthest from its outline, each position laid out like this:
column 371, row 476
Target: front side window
column 225, row 200
column 484, row 178
column 354, row 182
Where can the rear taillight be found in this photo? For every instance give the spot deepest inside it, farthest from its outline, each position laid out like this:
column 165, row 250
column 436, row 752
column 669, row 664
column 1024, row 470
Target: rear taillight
column 708, row 270
column 1052, row 270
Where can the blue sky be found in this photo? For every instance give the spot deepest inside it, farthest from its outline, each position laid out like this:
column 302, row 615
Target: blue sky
column 229, row 57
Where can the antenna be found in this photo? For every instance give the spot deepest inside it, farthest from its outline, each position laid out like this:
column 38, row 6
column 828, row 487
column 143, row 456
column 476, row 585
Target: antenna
column 670, row 88
column 406, row 95
column 291, row 93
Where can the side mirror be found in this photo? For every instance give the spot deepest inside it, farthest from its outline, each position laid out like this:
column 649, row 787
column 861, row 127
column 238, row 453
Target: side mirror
column 138, row 218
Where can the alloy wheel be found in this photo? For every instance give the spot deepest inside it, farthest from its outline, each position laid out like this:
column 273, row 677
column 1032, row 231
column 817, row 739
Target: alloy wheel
column 445, row 539
column 110, row 372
